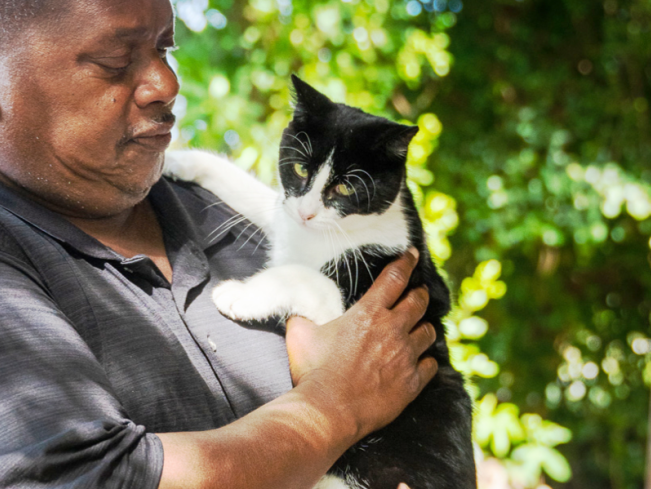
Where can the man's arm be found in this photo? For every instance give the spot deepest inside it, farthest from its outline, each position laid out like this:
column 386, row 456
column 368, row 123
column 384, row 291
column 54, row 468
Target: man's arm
column 352, row 376
column 61, row 423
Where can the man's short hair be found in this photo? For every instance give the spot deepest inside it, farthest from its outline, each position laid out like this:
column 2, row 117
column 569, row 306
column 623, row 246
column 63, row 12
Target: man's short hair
column 16, row 15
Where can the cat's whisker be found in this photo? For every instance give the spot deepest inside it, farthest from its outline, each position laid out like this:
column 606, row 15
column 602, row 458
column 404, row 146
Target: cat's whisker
column 356, row 272
column 249, row 238
column 214, row 204
column 216, row 237
column 295, row 149
column 361, row 255
column 251, row 198
column 368, row 194
column 368, row 269
column 354, row 193
column 309, row 142
column 290, row 162
column 293, row 158
column 336, row 255
column 229, row 222
column 355, row 251
column 233, row 221
column 344, row 256
column 307, row 150
column 242, row 232
column 369, row 176
column 257, row 246
column 327, row 270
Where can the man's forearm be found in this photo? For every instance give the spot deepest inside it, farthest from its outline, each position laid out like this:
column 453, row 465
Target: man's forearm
column 353, row 376
column 288, row 443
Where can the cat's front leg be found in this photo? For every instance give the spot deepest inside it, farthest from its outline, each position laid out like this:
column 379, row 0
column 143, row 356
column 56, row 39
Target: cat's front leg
column 287, row 290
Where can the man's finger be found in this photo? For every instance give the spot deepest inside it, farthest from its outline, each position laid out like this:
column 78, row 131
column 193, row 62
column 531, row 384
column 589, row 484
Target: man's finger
column 403, row 486
column 299, row 333
column 298, row 322
column 422, row 337
column 391, row 283
column 298, row 329
column 427, row 368
column 412, row 307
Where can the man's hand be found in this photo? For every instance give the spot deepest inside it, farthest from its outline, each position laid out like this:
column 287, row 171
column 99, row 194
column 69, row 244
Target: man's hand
column 368, row 362
column 352, row 376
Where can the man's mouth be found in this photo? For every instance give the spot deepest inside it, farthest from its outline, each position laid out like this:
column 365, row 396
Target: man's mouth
column 156, row 138
column 157, row 143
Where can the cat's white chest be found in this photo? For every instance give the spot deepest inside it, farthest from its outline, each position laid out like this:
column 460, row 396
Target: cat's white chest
column 295, row 243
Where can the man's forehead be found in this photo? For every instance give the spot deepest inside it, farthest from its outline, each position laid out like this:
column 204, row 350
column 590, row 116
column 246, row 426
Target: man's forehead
column 139, row 31
column 123, row 20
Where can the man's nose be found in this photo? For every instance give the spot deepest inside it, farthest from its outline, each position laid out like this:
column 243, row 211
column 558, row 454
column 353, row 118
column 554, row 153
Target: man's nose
column 158, row 84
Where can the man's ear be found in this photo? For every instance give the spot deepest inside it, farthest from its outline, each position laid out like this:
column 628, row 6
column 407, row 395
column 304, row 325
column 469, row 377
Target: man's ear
column 308, row 100
column 397, row 139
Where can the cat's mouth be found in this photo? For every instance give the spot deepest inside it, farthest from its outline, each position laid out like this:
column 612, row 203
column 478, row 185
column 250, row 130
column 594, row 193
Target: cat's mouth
column 307, row 220
column 310, row 221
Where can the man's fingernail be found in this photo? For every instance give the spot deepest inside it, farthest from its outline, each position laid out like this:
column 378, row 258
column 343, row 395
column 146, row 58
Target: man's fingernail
column 403, row 486
column 415, row 254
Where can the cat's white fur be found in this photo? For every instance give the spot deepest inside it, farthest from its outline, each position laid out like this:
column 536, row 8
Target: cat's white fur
column 247, row 300
column 299, row 247
column 304, row 235
column 332, row 482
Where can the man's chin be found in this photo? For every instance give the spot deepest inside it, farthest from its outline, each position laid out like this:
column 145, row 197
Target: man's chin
column 136, row 189
column 137, row 168
column 133, row 178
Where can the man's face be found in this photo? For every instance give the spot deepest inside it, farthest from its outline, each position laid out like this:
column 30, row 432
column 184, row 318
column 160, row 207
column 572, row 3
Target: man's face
column 85, row 106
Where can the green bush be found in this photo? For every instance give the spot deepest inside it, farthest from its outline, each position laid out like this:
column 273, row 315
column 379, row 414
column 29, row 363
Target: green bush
column 532, row 172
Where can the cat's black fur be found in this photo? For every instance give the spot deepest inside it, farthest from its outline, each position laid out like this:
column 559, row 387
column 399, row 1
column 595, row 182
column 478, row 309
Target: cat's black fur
column 429, row 445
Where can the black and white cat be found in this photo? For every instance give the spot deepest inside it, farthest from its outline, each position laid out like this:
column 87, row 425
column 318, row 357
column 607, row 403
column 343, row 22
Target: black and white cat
column 344, row 213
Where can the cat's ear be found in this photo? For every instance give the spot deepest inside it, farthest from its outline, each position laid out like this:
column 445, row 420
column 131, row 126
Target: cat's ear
column 308, row 100
column 397, row 140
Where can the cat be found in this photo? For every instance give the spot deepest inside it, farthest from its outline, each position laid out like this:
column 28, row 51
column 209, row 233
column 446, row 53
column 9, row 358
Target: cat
column 343, row 214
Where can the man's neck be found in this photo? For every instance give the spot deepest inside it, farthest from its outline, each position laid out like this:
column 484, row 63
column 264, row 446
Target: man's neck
column 130, row 233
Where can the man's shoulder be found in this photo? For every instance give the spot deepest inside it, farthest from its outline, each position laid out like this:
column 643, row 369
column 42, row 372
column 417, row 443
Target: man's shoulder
column 15, row 239
column 188, row 191
column 10, row 242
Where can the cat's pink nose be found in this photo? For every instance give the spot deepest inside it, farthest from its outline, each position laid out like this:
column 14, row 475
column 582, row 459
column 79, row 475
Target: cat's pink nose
column 306, row 216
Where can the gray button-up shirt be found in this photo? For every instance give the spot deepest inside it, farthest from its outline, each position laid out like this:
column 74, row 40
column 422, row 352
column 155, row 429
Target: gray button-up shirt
column 99, row 352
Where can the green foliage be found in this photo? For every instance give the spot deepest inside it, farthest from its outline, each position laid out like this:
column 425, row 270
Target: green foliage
column 531, row 170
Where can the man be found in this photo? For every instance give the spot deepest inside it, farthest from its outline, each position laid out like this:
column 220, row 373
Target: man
column 115, row 369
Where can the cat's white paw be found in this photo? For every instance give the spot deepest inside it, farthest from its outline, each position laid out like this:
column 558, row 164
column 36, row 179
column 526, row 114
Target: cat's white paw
column 290, row 290
column 327, row 309
column 331, row 482
column 231, row 299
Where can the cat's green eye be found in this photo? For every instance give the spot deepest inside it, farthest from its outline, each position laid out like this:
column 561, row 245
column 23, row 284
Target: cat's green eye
column 300, row 170
column 344, row 189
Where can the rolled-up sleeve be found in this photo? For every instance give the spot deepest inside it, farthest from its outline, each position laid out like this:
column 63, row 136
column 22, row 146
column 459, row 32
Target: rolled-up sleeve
column 60, row 423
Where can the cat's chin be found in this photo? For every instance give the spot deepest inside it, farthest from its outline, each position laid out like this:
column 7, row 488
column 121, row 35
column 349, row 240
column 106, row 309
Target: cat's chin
column 318, row 226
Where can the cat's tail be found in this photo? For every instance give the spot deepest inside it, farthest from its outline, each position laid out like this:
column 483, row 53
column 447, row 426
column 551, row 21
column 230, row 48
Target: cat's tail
column 235, row 187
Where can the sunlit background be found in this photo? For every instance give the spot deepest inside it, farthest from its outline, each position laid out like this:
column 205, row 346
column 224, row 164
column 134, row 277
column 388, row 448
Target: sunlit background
column 533, row 171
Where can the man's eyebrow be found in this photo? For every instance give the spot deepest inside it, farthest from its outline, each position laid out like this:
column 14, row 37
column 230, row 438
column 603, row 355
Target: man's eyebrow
column 133, row 32
column 141, row 31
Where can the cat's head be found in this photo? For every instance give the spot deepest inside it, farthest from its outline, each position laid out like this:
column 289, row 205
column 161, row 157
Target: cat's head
column 338, row 161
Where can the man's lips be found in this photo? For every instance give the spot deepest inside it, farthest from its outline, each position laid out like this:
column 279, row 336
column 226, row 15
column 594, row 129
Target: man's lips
column 157, row 138
column 156, row 143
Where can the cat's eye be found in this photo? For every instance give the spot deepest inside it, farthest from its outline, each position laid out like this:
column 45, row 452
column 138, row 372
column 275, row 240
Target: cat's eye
column 344, row 189
column 300, row 170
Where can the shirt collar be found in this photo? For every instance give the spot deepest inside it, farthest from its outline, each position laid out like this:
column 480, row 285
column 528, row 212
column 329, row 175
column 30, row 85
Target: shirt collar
column 173, row 208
